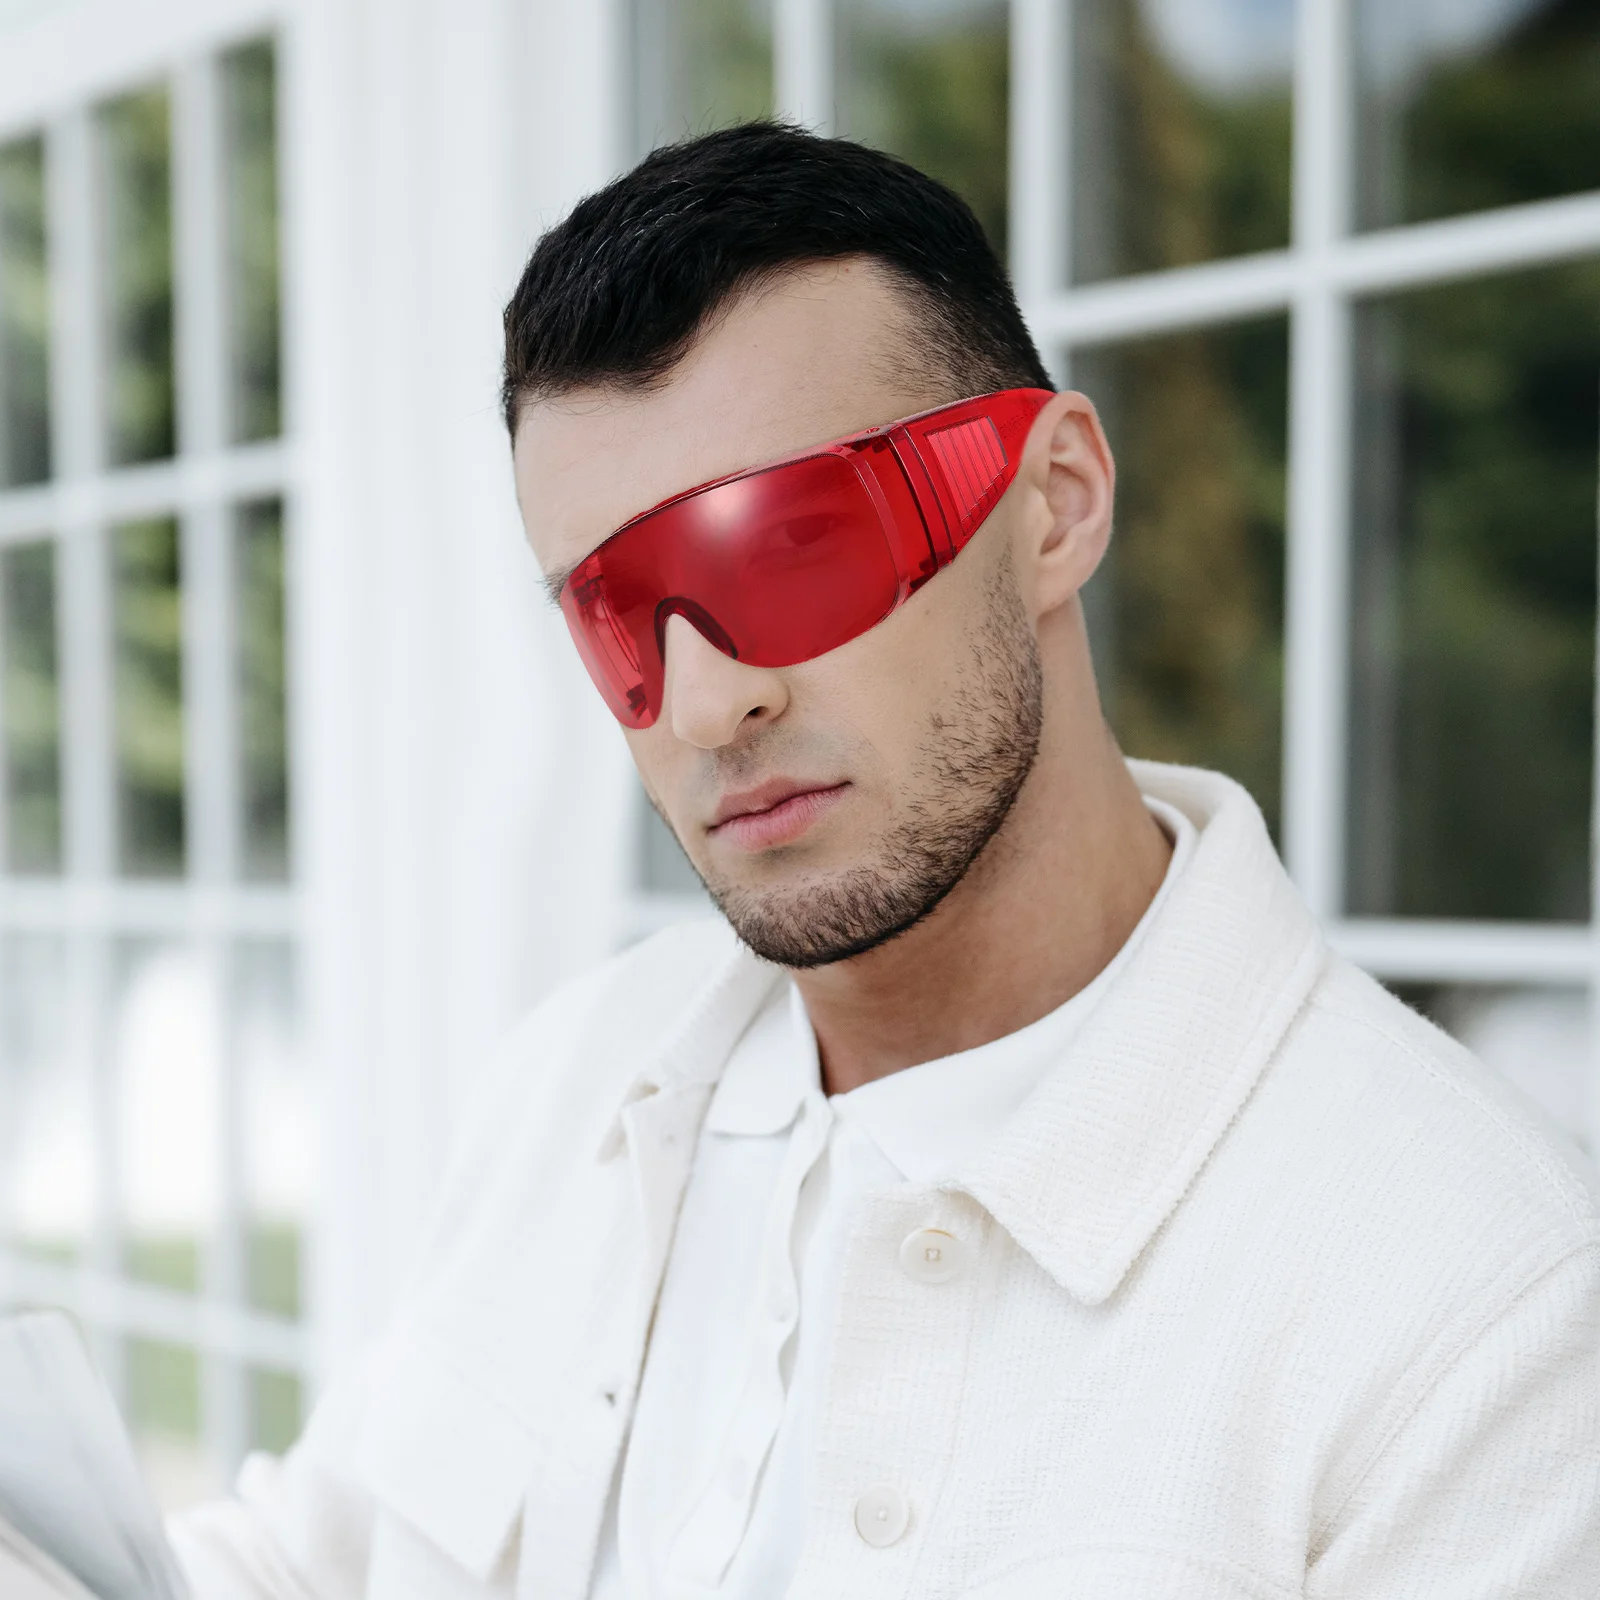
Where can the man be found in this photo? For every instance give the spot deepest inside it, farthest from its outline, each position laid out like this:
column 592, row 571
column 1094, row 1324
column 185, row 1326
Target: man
column 1021, row 1200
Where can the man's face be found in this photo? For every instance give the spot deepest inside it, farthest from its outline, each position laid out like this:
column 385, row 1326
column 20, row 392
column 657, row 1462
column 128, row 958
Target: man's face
column 831, row 804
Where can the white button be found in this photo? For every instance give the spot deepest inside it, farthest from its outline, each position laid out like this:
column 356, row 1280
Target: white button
column 930, row 1255
column 882, row 1515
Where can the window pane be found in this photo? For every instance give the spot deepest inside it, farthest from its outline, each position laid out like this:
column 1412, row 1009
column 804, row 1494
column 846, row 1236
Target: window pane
column 1186, row 613
column 250, row 154
column 263, row 730
column 136, row 223
column 275, row 1123
column 30, row 709
column 1476, row 423
column 1470, row 106
column 929, row 83
column 165, row 1094
column 1180, row 132
column 163, row 1409
column 149, row 696
column 24, row 316
column 47, row 1163
column 1541, row 1039
column 698, row 65
column 277, row 1408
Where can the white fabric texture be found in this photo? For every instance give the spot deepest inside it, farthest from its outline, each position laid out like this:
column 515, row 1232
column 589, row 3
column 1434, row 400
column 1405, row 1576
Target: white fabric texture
column 716, row 1473
column 1267, row 1289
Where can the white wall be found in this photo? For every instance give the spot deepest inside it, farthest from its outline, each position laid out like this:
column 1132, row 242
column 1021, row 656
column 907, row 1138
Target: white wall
column 464, row 792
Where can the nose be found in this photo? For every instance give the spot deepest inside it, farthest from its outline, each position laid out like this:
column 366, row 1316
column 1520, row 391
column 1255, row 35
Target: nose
column 708, row 696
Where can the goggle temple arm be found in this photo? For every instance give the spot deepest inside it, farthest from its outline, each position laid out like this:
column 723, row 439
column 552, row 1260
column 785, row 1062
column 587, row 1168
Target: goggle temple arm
column 961, row 460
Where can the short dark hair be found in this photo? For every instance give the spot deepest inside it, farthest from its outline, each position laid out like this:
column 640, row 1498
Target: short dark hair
column 617, row 293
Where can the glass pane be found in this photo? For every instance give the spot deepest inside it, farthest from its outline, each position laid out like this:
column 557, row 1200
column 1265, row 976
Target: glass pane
column 250, row 155
column 1180, row 138
column 1473, row 587
column 1541, row 1039
column 929, row 83
column 262, row 711
column 147, row 602
column 1186, row 613
column 277, row 1408
column 47, row 1162
column 275, row 1123
column 30, row 709
column 163, row 1409
column 136, row 234
column 165, row 1094
column 24, row 316
column 699, row 65
column 1462, row 107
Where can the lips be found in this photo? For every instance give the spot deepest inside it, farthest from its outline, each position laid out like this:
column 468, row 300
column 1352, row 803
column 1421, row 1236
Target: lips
column 773, row 813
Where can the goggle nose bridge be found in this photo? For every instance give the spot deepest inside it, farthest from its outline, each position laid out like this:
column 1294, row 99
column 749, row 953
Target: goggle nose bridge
column 698, row 618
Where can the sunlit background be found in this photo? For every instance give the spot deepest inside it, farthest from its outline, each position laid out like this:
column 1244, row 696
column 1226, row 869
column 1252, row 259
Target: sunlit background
column 302, row 797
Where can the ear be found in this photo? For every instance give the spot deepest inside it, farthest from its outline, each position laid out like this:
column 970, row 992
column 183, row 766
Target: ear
column 1068, row 481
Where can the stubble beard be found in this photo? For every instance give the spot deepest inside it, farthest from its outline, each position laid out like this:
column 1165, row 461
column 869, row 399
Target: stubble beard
column 981, row 747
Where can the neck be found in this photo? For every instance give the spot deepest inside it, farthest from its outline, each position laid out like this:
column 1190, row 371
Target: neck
column 1051, row 900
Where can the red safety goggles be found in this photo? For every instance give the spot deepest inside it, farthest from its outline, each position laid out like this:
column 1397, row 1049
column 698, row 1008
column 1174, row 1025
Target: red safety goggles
column 781, row 563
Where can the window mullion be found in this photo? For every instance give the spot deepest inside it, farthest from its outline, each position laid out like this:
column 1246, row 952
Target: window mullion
column 803, row 64
column 1593, row 1097
column 207, row 613
column 1039, row 133
column 210, row 767
column 1316, row 644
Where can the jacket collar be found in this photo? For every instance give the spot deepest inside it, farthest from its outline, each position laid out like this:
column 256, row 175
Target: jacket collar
column 1081, row 1176
column 695, row 1048
column 1100, row 1154
column 1104, row 1149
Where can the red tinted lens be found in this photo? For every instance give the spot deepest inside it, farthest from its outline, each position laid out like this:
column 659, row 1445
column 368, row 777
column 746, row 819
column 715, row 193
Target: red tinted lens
column 607, row 653
column 774, row 568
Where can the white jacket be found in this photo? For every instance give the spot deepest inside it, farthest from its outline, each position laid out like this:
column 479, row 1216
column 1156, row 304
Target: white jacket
column 1272, row 1290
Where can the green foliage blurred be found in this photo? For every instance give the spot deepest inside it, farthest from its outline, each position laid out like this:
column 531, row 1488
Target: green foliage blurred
column 272, row 1267
column 261, row 709
column 30, row 708
column 1473, row 629
column 250, row 157
column 934, row 90
column 1186, row 614
column 24, row 316
column 162, row 1387
column 136, row 197
column 170, row 1261
column 147, row 602
column 277, row 1407
column 1516, row 120
column 699, row 65
column 1166, row 169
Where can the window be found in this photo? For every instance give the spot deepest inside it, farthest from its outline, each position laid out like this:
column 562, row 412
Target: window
column 1332, row 273
column 154, row 1111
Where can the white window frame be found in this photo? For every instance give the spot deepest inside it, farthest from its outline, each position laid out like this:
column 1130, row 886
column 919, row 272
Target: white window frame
column 90, row 905
column 1316, row 281
column 458, row 792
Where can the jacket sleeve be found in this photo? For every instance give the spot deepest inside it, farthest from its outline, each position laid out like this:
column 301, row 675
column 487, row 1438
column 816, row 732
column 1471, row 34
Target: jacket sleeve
column 1492, row 1486
column 305, row 1527
column 294, row 1529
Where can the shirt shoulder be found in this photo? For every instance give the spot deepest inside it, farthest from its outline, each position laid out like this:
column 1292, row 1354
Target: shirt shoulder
column 1418, row 1155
